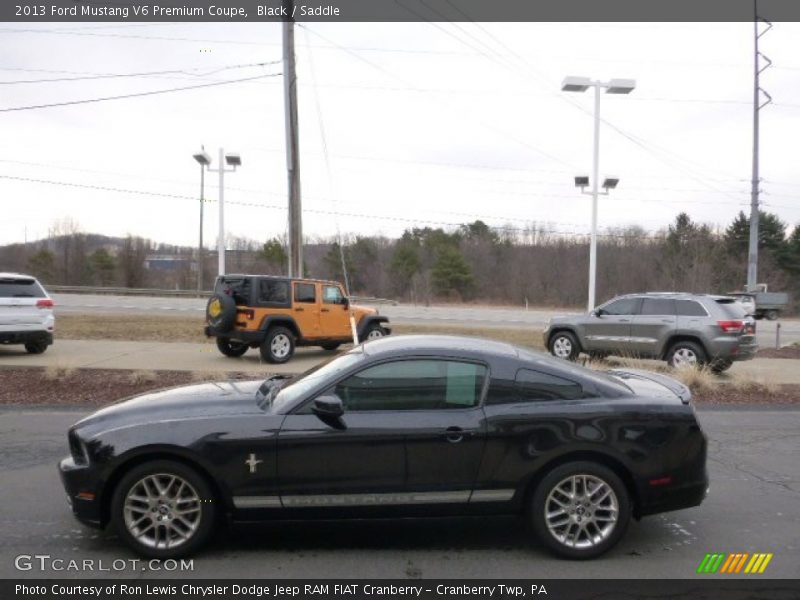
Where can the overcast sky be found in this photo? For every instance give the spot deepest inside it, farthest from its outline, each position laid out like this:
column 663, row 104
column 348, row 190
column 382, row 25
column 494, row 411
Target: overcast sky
column 423, row 124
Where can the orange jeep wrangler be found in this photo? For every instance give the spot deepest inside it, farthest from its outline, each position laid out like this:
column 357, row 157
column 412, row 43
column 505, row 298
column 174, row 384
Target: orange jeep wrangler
column 276, row 314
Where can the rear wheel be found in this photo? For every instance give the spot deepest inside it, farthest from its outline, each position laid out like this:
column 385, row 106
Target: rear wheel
column 36, row 347
column 278, row 346
column 721, row 364
column 686, row 355
column 772, row 315
column 330, row 345
column 231, row 348
column 564, row 344
column 163, row 509
column 580, row 509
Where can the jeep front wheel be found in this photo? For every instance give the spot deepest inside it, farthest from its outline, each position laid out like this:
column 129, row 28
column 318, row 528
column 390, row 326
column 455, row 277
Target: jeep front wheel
column 564, row 344
column 278, row 346
column 229, row 348
column 373, row 332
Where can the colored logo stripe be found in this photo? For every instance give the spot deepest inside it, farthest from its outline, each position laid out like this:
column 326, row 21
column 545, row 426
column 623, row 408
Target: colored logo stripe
column 721, row 562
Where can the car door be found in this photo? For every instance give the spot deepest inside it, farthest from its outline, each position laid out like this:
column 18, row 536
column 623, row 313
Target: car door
column 412, row 434
column 334, row 314
column 608, row 328
column 305, row 308
column 654, row 324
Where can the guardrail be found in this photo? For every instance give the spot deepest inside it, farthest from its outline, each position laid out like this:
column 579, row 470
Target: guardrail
column 125, row 291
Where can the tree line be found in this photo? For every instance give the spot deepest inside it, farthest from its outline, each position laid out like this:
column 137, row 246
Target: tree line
column 470, row 263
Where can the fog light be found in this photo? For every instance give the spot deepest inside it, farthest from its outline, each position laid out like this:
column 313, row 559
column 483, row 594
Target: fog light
column 85, row 496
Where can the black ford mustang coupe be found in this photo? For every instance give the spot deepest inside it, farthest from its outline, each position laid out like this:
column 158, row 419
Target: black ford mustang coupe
column 402, row 426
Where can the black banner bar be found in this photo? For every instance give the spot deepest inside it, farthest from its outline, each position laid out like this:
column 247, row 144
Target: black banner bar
column 43, row 11
column 711, row 588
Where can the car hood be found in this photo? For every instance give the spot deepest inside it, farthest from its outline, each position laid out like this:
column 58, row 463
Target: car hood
column 225, row 398
column 569, row 318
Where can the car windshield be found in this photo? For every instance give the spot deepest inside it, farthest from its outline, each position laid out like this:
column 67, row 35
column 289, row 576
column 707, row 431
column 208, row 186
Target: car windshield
column 315, row 377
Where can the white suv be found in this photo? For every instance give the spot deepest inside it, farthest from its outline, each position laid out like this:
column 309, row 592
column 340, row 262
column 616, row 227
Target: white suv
column 26, row 313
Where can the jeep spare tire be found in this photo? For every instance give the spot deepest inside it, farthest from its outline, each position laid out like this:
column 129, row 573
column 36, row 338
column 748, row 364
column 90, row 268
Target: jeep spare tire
column 221, row 312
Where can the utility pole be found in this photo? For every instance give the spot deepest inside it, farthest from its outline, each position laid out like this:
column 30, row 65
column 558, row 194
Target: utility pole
column 752, row 255
column 200, row 261
column 221, row 235
column 292, row 148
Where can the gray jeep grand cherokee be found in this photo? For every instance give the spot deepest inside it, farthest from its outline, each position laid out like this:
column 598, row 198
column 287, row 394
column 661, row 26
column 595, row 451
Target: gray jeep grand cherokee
column 683, row 329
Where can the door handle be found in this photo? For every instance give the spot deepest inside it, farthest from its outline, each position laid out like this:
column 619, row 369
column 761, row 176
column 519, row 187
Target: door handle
column 624, row 320
column 325, row 310
column 298, row 309
column 456, row 434
column 666, row 320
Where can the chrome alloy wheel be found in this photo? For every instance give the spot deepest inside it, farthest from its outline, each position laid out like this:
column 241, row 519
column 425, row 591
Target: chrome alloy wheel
column 581, row 511
column 684, row 357
column 375, row 334
column 562, row 347
column 162, row 511
column 280, row 345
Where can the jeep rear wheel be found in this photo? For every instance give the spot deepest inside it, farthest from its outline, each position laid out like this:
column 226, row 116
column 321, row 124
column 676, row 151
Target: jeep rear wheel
column 564, row 344
column 330, row 345
column 278, row 346
column 683, row 355
column 230, row 348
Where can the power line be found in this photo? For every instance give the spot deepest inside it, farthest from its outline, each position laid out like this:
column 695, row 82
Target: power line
column 140, row 74
column 136, row 94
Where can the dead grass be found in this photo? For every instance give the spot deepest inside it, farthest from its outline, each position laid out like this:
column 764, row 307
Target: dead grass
column 526, row 337
column 142, row 376
column 57, row 372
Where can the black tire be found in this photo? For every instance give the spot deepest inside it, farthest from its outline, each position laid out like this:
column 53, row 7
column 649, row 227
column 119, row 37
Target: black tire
column 230, row 348
column 36, row 347
column 721, row 364
column 195, row 486
column 541, row 503
column 680, row 355
column 278, row 345
column 772, row 315
column 221, row 312
column 330, row 345
column 564, row 344
column 373, row 332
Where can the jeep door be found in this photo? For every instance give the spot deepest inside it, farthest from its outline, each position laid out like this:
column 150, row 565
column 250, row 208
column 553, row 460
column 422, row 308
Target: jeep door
column 334, row 313
column 305, row 308
column 652, row 326
column 608, row 328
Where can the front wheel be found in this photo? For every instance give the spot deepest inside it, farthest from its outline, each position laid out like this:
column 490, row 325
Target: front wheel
column 580, row 510
column 230, row 348
column 772, row 315
column 278, row 347
column 564, row 344
column 373, row 332
column 163, row 509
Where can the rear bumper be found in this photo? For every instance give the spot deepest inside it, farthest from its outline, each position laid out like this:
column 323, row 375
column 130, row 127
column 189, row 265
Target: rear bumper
column 24, row 337
column 248, row 337
column 674, row 498
column 733, row 349
column 79, row 481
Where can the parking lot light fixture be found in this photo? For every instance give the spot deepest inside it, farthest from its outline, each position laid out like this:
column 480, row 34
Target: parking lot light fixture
column 613, row 86
column 204, row 159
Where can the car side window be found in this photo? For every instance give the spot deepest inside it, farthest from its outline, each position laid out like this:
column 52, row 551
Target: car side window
column 533, row 386
column 413, row 385
column 331, row 294
column 273, row 293
column 690, row 308
column 623, row 306
column 305, row 292
column 658, row 306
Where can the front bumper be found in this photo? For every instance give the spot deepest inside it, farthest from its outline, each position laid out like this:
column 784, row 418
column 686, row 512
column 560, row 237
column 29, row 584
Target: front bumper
column 80, row 483
column 25, row 337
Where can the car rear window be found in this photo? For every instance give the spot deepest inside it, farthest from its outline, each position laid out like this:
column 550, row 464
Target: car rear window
column 238, row 287
column 731, row 308
column 20, row 288
column 535, row 386
column 690, row 308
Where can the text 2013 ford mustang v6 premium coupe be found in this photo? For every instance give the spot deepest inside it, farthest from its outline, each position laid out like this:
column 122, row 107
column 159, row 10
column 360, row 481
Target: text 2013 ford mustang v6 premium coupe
column 401, row 426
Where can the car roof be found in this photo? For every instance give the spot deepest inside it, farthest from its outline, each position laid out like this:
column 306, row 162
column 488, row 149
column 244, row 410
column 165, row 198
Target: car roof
column 670, row 295
column 16, row 276
column 278, row 277
column 438, row 344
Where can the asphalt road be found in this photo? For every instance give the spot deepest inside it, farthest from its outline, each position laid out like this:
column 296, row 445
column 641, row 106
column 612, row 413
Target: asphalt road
column 460, row 315
column 752, row 507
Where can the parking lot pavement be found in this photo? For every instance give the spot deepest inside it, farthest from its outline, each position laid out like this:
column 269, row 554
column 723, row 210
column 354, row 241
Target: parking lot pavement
column 182, row 356
column 453, row 315
column 752, row 507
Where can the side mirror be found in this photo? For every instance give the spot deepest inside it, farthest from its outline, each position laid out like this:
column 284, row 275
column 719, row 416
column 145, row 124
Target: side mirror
column 598, row 312
column 329, row 409
column 345, row 301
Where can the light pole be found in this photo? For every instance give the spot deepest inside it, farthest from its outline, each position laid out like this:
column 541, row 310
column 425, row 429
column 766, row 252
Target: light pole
column 204, row 159
column 232, row 160
column 613, row 86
